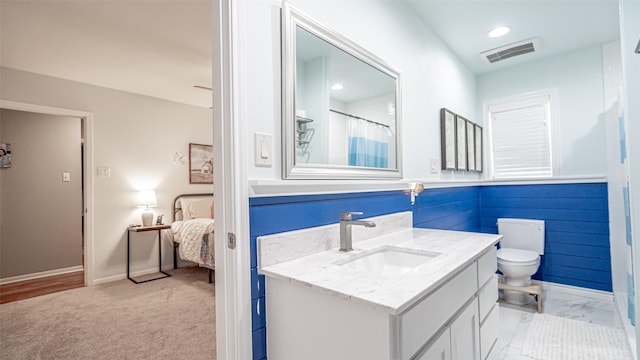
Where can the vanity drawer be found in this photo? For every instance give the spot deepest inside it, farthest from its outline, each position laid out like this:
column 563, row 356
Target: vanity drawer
column 489, row 332
column 487, row 296
column 418, row 324
column 487, row 265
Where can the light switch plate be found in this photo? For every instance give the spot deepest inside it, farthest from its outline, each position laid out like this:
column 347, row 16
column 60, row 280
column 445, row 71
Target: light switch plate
column 263, row 150
column 104, row 172
column 66, row 177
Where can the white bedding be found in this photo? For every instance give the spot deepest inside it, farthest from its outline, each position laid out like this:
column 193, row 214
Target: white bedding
column 195, row 237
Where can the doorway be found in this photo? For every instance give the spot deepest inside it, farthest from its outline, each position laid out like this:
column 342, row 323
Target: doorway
column 72, row 185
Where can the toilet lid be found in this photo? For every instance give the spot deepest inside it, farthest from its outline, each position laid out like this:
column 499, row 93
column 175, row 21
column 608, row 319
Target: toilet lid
column 517, row 255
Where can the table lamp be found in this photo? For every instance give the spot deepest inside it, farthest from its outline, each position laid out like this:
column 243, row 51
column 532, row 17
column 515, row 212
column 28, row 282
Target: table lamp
column 147, row 199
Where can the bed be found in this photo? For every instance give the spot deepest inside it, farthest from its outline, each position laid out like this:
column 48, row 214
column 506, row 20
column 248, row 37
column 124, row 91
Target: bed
column 192, row 230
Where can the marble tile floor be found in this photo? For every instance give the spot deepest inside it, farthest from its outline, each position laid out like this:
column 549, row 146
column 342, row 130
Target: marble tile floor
column 515, row 320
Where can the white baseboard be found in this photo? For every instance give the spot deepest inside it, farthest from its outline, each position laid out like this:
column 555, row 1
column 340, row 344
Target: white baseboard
column 108, row 279
column 42, row 274
column 124, row 276
column 576, row 291
column 620, row 299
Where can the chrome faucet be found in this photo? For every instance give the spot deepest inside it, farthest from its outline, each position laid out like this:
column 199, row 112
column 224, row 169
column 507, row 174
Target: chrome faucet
column 345, row 228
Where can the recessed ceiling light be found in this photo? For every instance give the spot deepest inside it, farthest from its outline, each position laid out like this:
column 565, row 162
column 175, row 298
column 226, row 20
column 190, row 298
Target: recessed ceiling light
column 499, row 31
column 337, row 87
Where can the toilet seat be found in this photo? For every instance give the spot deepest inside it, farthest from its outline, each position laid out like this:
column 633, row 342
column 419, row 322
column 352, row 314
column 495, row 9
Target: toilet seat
column 518, row 256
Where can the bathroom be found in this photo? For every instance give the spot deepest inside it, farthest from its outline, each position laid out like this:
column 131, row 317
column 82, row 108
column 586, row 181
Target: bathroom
column 433, row 78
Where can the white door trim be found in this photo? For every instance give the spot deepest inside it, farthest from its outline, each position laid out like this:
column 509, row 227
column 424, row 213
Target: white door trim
column 233, row 276
column 87, row 119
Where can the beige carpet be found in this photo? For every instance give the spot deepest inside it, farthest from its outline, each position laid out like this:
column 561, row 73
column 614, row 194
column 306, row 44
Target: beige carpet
column 171, row 318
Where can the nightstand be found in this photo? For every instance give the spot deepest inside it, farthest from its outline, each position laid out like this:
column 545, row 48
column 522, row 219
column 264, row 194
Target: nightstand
column 137, row 229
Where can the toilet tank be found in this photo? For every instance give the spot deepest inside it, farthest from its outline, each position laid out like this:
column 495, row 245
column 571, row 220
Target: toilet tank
column 522, row 234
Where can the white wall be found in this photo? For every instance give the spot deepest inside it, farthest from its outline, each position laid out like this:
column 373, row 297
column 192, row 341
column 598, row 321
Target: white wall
column 136, row 136
column 578, row 78
column 615, row 174
column 432, row 77
column 630, row 36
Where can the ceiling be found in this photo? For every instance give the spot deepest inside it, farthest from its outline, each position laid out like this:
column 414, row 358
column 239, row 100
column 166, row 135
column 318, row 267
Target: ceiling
column 159, row 48
column 162, row 48
column 560, row 25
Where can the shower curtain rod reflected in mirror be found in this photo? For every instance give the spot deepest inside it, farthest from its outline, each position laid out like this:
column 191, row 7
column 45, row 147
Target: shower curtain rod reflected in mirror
column 360, row 118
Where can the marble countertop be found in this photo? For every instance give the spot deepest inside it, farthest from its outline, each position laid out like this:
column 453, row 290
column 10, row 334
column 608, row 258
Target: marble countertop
column 391, row 293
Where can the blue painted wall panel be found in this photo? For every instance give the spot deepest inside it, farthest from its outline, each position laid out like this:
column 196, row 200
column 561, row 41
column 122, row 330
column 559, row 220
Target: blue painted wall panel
column 558, row 214
column 282, row 213
column 577, row 238
column 259, row 339
column 576, row 218
column 580, row 191
column 541, row 202
column 257, row 284
column 258, row 318
column 448, row 209
column 253, row 242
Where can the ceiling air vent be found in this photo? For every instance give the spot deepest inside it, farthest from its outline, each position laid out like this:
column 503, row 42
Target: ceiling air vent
column 511, row 50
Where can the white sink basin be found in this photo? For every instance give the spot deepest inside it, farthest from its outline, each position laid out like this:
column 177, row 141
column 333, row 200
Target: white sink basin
column 388, row 261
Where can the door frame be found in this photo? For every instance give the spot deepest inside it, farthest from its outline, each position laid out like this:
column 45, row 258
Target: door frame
column 233, row 276
column 87, row 196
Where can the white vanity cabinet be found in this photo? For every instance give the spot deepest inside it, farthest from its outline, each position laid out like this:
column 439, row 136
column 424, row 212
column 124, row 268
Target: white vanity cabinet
column 473, row 331
column 308, row 323
column 440, row 349
column 465, row 341
column 488, row 304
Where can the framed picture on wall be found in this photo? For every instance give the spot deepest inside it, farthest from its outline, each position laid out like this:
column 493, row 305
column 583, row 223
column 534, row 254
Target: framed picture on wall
column 471, row 147
column 448, row 139
column 200, row 164
column 478, row 142
column 461, row 143
column 5, row 155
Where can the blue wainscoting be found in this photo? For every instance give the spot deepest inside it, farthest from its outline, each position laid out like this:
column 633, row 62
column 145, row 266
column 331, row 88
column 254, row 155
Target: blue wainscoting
column 577, row 250
column 453, row 208
column 576, row 217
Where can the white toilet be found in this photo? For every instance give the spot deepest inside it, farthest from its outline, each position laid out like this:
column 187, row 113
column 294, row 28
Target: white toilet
column 521, row 245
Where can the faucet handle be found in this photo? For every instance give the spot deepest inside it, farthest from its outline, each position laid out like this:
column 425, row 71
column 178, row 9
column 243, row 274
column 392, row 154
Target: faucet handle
column 347, row 214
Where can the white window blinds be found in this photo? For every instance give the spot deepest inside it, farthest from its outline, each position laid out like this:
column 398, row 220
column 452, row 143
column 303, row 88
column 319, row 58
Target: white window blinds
column 521, row 138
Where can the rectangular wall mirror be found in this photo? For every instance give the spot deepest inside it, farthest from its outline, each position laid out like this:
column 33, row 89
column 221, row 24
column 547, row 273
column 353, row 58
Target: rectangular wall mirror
column 341, row 106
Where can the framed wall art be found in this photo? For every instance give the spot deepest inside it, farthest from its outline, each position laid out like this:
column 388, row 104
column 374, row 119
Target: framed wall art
column 461, row 143
column 448, row 139
column 478, row 142
column 200, row 164
column 5, row 155
column 471, row 146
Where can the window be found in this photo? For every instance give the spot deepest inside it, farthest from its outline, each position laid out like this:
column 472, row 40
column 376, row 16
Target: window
column 520, row 137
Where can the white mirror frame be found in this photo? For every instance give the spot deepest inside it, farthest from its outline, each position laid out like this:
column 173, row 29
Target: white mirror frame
column 291, row 170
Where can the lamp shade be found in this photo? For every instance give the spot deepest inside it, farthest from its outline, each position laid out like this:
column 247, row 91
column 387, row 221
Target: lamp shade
column 147, row 198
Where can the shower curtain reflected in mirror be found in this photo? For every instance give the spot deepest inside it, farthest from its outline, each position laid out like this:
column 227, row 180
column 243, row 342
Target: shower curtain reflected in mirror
column 368, row 144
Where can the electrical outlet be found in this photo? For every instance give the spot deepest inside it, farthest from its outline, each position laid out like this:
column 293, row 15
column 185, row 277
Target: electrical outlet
column 435, row 166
